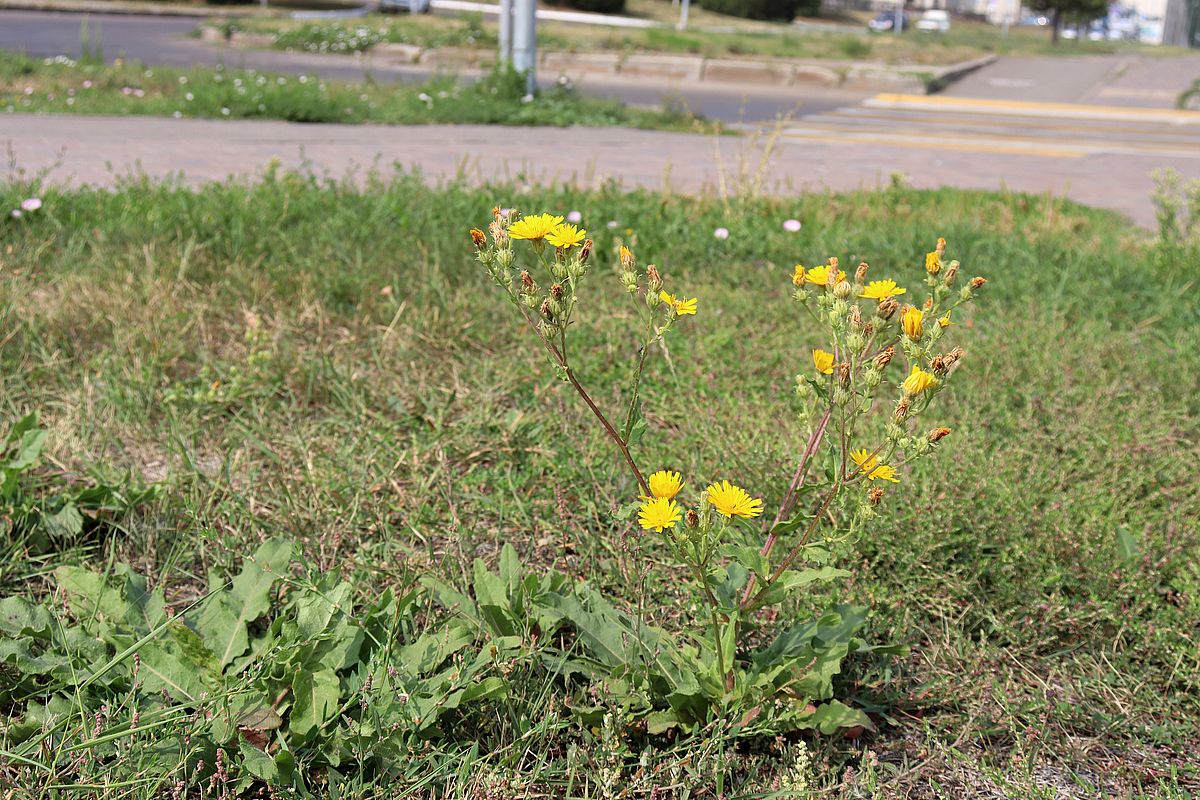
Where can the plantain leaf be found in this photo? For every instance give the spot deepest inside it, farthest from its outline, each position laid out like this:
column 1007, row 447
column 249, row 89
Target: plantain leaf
column 224, row 619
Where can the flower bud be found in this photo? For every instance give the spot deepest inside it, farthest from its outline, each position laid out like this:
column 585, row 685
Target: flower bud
column 653, row 279
column 840, row 396
column 875, row 495
column 833, row 265
column 504, row 257
column 928, row 304
column 977, row 283
column 803, row 390
column 478, row 238
column 855, row 342
column 887, row 308
column 951, row 273
column 872, row 377
column 941, row 245
column 629, row 280
column 911, row 322
column 842, row 290
column 933, row 262
column 937, row 434
column 692, row 518
column 626, row 256
column 585, row 252
column 798, row 276
column 860, row 274
column 528, row 287
column 885, row 358
column 901, row 413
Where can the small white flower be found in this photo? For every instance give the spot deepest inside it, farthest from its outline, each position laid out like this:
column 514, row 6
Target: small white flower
column 87, row 84
column 177, row 114
column 31, row 204
column 611, row 224
column 70, row 101
column 16, row 213
column 527, row 98
column 182, row 80
column 224, row 111
column 721, row 233
column 792, row 225
column 139, row 92
column 189, row 97
column 574, row 217
column 28, row 90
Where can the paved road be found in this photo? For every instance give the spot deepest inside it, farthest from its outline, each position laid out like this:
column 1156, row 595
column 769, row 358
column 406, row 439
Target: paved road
column 166, row 42
column 1061, row 159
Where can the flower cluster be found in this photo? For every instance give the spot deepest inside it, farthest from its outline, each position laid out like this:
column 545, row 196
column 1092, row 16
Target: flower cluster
column 871, row 327
column 659, row 511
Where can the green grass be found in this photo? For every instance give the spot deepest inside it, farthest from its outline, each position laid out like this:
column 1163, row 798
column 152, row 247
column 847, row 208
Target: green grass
column 966, row 40
column 61, row 85
column 325, row 361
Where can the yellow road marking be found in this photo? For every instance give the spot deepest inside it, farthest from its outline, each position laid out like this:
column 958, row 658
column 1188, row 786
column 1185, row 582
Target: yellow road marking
column 965, row 147
column 1033, row 107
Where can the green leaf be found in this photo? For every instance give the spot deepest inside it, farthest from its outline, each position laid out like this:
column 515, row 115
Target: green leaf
column 1127, row 545
column 66, row 523
column 833, row 716
column 19, row 617
column 485, row 689
column 626, row 511
column 258, row 763
column 662, row 721
column 223, row 620
column 316, row 700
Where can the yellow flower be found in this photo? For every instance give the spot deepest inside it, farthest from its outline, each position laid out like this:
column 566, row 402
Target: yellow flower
column 881, row 290
column 798, row 275
column 733, row 501
column 534, row 226
column 659, row 513
column 945, row 321
column 911, row 320
column 870, row 465
column 933, row 262
column 821, row 276
column 918, row 381
column 823, row 361
column 680, row 305
column 665, row 484
column 566, row 235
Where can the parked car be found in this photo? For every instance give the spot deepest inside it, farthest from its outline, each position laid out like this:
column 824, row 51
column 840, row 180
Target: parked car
column 934, row 20
column 404, row 6
column 886, row 20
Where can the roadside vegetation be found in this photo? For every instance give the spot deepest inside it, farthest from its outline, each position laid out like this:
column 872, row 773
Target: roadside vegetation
column 341, row 528
column 62, row 85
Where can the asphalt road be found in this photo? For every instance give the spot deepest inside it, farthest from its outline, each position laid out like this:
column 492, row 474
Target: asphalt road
column 166, row 42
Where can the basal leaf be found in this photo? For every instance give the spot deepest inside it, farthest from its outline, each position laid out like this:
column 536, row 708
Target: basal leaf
column 224, row 618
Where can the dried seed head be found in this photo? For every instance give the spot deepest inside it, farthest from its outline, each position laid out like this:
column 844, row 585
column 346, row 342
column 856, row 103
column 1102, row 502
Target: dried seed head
column 875, row 496
column 941, row 246
column 833, row 264
column 842, row 290
column 860, row 275
column 557, row 291
column 692, row 518
column 499, row 234
column 951, row 272
column 887, row 308
column 844, row 373
column 885, row 358
column 953, row 357
column 547, row 312
column 938, row 365
column 627, row 261
column 653, row 279
column 478, row 238
column 977, row 282
column 585, row 252
column 928, row 303
column 869, row 329
column 527, row 284
column 937, row 434
column 855, row 318
column 901, row 410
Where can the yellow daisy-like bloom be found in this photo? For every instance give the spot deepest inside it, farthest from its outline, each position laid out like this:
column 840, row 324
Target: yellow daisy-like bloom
column 945, row 321
column 733, row 501
column 918, row 381
column 680, row 305
column 821, row 276
column 911, row 321
column 566, row 235
column 870, row 465
column 798, row 275
column 659, row 514
column 534, row 226
column 665, row 484
column 823, row 361
column 882, row 290
column 933, row 262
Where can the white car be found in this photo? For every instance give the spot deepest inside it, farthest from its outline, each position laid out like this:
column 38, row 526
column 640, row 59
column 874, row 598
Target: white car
column 934, row 20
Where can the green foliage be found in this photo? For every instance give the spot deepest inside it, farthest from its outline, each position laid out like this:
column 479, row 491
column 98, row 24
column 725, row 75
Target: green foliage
column 42, row 510
column 598, row 6
column 783, row 10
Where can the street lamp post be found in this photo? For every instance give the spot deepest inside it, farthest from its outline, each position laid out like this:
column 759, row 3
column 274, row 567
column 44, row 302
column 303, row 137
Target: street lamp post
column 524, row 41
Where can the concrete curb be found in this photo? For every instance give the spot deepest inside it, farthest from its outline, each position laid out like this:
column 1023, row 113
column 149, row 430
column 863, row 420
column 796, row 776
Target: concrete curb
column 119, row 7
column 859, row 76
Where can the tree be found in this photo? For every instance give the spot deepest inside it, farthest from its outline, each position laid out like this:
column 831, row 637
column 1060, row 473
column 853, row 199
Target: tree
column 1077, row 11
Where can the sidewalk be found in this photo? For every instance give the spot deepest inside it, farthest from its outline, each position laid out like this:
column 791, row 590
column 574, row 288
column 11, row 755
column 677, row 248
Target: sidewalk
column 207, row 150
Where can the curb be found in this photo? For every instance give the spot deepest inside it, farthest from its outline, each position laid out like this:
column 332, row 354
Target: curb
column 858, row 76
column 118, row 8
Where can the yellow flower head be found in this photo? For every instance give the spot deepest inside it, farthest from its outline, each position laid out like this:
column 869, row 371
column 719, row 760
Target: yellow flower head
column 823, row 276
column 733, row 501
column 658, row 514
column 665, row 484
column 680, row 305
column 870, row 465
column 933, row 262
column 918, row 381
column 945, row 321
column 911, row 320
column 798, row 275
column 882, row 290
column 566, row 235
column 823, row 361
column 534, row 226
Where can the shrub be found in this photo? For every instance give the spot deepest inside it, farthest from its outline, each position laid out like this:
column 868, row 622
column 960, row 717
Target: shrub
column 763, row 9
column 597, row 6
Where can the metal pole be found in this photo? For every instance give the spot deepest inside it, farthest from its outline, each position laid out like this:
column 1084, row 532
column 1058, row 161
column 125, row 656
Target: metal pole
column 506, row 32
column 524, row 46
column 683, row 15
column 898, row 22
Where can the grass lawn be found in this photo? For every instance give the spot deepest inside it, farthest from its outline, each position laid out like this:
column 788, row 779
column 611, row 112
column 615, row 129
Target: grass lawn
column 61, row 85
column 965, row 41
column 326, row 363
